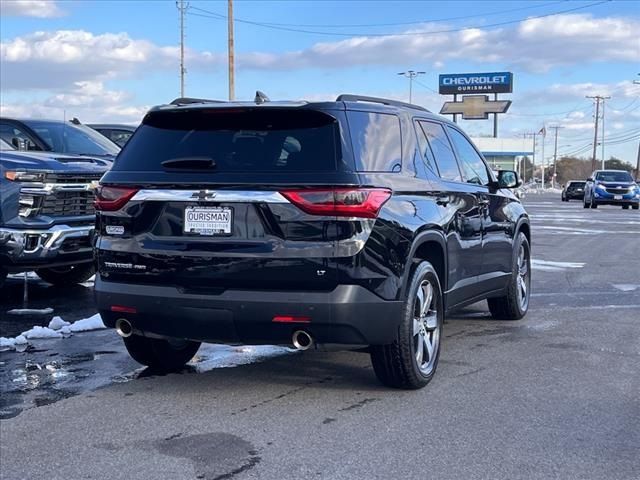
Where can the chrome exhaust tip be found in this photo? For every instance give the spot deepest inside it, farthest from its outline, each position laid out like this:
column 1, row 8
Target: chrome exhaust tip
column 302, row 340
column 124, row 328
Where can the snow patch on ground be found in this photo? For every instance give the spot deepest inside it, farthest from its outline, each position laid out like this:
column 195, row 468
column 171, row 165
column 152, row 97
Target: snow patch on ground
column 57, row 323
column 213, row 356
column 549, row 266
column 58, row 328
column 626, row 287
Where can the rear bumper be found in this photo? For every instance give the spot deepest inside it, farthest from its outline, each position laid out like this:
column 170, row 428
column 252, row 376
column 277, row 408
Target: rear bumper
column 350, row 314
column 23, row 249
column 574, row 195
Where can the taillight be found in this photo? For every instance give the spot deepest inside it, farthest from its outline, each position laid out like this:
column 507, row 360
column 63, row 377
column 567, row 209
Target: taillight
column 340, row 202
column 110, row 199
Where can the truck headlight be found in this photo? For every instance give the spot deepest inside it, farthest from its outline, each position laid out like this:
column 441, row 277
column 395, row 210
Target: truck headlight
column 25, row 176
column 601, row 187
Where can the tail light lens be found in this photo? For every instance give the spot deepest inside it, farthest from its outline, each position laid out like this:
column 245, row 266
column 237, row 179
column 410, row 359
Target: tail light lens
column 110, row 199
column 340, row 202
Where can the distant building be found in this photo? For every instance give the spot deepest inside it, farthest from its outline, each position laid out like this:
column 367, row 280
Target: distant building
column 504, row 153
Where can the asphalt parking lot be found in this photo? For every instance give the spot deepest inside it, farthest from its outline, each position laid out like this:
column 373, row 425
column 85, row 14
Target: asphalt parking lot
column 555, row 395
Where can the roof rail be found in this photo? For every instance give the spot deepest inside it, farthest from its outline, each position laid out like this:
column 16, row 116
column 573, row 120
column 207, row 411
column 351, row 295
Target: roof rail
column 188, row 101
column 345, row 97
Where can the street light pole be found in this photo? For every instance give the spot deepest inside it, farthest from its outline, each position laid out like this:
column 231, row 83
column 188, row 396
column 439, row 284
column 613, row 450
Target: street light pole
column 411, row 74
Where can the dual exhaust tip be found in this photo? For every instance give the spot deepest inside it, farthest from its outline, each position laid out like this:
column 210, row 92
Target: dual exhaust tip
column 301, row 340
column 124, row 327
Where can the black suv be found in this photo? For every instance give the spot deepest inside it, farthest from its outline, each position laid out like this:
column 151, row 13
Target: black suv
column 355, row 222
column 573, row 189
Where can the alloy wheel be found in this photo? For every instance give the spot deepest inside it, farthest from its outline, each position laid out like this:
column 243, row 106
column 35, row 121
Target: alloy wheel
column 426, row 334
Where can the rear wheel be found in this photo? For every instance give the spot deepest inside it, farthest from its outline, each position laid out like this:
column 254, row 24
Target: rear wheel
column 514, row 305
column 166, row 355
column 625, row 207
column 410, row 362
column 635, row 207
column 67, row 275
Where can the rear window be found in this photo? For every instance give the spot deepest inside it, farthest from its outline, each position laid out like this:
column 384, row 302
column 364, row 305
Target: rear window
column 253, row 140
column 376, row 141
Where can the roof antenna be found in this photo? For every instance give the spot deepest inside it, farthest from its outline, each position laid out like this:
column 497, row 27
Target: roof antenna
column 260, row 98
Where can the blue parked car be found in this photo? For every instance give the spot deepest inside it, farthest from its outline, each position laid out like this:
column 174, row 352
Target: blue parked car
column 611, row 187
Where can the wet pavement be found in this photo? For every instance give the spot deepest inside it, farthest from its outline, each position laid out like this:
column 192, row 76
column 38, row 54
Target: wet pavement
column 554, row 395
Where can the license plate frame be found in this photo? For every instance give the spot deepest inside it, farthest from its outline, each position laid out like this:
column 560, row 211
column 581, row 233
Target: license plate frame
column 617, row 197
column 218, row 228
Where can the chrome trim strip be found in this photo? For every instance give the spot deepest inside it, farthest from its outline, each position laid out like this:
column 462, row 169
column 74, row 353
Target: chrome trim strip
column 225, row 196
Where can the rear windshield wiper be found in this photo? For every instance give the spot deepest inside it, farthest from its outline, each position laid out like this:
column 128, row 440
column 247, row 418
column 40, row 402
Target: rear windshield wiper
column 190, row 163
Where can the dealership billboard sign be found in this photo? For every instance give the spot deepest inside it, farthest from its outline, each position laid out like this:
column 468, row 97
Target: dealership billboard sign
column 462, row 83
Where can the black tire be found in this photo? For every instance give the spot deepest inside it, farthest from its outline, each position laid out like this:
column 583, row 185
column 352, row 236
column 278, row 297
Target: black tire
column 400, row 364
column 67, row 275
column 635, row 207
column 625, row 207
column 161, row 354
column 514, row 305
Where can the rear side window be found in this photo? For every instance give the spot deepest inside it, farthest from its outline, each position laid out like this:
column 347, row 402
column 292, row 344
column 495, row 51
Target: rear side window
column 442, row 150
column 473, row 168
column 252, row 140
column 376, row 139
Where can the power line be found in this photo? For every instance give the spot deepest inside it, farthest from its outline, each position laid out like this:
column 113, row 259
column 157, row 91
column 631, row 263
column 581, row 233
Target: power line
column 209, row 14
column 415, row 22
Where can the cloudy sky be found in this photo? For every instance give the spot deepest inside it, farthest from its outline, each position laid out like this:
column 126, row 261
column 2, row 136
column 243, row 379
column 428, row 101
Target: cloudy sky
column 110, row 60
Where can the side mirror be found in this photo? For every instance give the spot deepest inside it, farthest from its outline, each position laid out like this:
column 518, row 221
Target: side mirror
column 21, row 144
column 508, row 179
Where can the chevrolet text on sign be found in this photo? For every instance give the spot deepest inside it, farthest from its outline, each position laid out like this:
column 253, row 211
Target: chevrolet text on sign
column 461, row 83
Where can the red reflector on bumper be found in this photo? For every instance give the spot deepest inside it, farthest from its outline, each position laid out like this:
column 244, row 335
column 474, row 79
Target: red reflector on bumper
column 291, row 319
column 123, row 309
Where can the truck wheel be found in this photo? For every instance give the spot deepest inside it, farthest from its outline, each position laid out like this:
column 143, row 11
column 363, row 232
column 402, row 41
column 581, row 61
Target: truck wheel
column 411, row 360
column 514, row 305
column 635, row 207
column 67, row 275
column 165, row 355
column 625, row 207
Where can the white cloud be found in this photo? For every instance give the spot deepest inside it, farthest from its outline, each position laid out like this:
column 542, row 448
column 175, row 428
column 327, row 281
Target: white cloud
column 88, row 101
column 30, row 8
column 54, row 60
column 536, row 45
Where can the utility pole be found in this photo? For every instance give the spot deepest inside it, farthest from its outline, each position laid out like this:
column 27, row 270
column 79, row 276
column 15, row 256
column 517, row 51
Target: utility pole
column 533, row 158
column 638, row 162
column 602, row 140
column 598, row 99
column 182, row 7
column 232, row 75
column 555, row 154
column 411, row 74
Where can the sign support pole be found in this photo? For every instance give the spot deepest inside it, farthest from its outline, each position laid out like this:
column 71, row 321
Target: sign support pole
column 495, row 119
column 455, row 99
